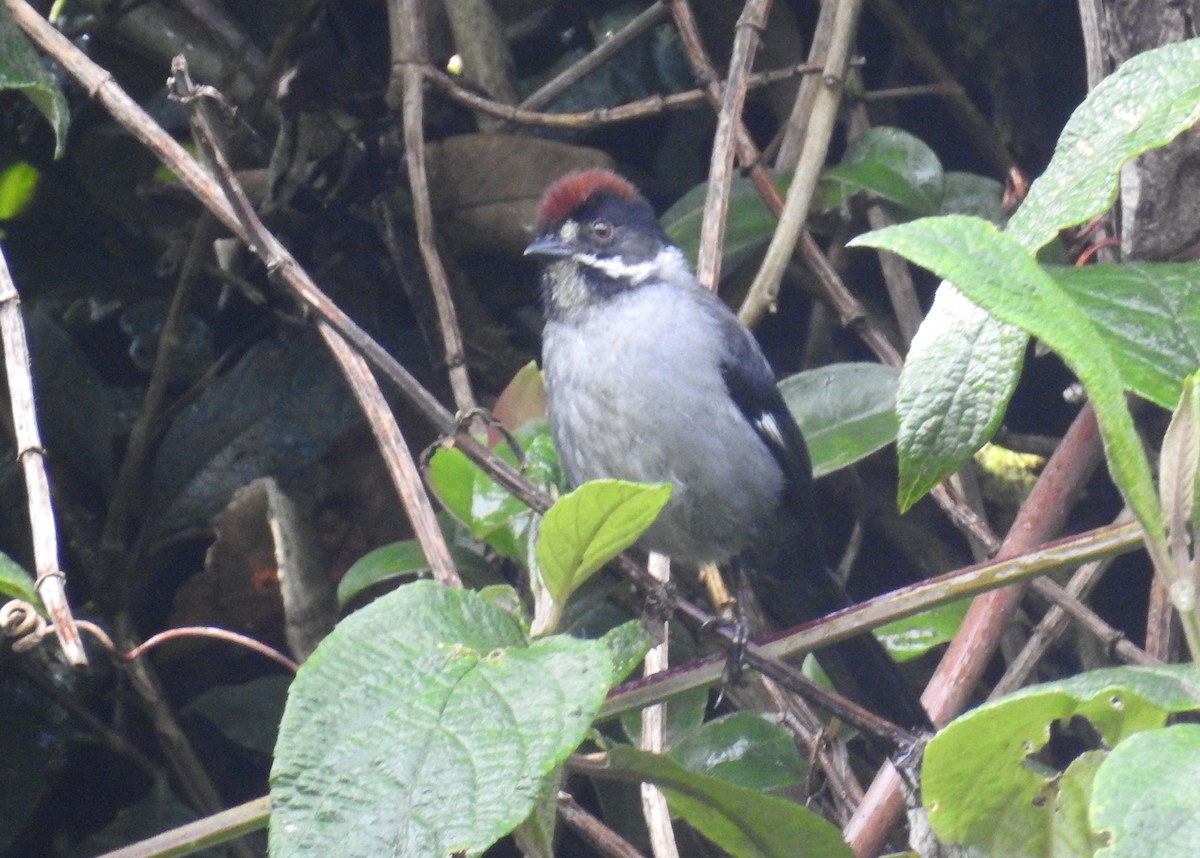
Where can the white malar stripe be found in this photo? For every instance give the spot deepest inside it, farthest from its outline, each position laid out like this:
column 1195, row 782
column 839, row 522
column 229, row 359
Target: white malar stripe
column 618, row 270
column 668, row 265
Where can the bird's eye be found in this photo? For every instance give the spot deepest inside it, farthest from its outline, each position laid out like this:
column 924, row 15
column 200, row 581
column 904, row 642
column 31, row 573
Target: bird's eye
column 602, row 230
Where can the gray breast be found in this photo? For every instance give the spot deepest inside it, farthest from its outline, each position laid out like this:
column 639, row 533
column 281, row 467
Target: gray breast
column 634, row 394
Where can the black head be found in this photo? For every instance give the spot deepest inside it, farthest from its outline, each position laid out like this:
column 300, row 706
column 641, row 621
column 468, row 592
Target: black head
column 597, row 236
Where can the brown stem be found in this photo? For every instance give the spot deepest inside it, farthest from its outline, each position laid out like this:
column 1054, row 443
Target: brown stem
column 600, row 116
column 729, row 118
column 404, row 472
column 51, row 582
column 604, row 52
column 600, row 836
column 407, row 18
column 1042, row 515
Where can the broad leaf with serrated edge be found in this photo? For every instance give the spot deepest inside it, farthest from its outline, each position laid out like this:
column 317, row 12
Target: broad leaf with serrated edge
column 424, row 724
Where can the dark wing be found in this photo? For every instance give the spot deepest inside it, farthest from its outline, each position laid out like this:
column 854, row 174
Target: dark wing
column 751, row 385
column 795, row 584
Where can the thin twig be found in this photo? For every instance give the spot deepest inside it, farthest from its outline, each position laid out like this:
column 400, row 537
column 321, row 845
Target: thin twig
column 117, row 580
column 973, row 580
column 213, row 633
column 595, row 832
column 51, row 583
column 186, row 766
column 407, row 17
column 404, row 472
column 605, row 51
column 1066, row 605
column 642, row 108
column 654, row 724
column 765, row 288
column 750, row 25
column 916, row 91
column 201, row 834
column 791, row 137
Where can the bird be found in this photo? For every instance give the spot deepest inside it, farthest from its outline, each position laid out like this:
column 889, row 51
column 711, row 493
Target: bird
column 650, row 377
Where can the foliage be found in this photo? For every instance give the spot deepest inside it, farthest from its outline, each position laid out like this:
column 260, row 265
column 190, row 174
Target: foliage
column 433, row 720
column 464, row 724
column 1055, row 754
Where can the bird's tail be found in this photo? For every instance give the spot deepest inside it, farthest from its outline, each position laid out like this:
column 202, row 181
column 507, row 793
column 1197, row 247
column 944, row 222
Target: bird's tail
column 859, row 667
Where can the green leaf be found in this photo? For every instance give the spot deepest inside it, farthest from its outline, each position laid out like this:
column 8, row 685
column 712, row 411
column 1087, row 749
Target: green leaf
column 1144, row 104
column 386, row 563
column 1144, row 797
column 982, row 779
column 888, row 164
column 21, row 69
column 744, row 749
column 486, row 508
column 592, row 525
column 748, row 222
column 1179, row 479
column 17, row 183
column 846, row 410
column 425, row 724
column 685, row 713
column 1072, row 832
column 956, row 381
column 404, row 560
column 741, row 821
column 997, row 273
column 247, row 713
column 914, row 636
column 971, row 194
column 627, row 645
column 1149, row 315
column 16, row 583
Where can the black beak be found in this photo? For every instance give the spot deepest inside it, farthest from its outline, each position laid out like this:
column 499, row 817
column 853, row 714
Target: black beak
column 549, row 246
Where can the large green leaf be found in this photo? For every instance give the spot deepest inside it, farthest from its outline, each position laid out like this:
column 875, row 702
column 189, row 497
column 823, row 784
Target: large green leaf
column 993, row 270
column 846, row 410
column 1150, row 317
column 425, row 724
column 956, row 382
column 1144, row 104
column 984, row 777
